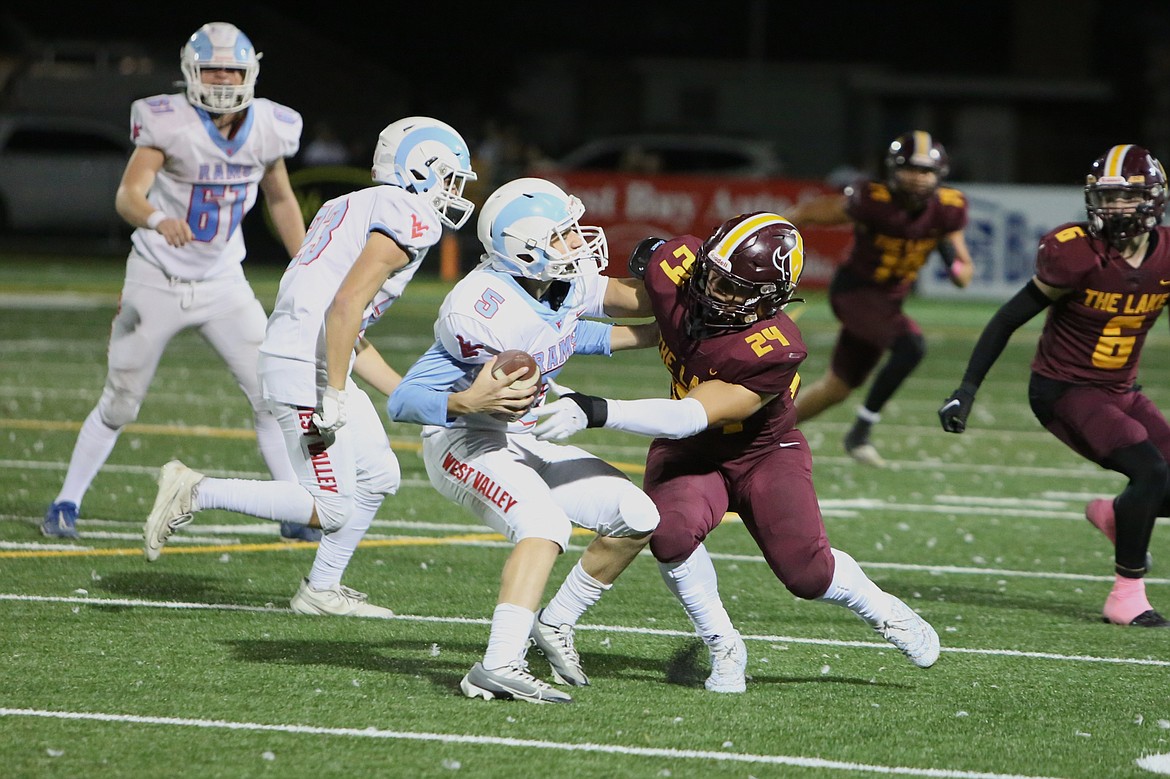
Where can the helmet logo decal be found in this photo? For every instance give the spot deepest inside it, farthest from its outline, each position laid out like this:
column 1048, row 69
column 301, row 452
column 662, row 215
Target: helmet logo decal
column 790, row 259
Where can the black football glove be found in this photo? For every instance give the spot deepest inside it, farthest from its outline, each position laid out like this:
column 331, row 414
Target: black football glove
column 953, row 413
column 640, row 257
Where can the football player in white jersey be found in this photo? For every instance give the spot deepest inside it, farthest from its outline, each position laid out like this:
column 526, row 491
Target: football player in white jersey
column 198, row 163
column 360, row 252
column 538, row 280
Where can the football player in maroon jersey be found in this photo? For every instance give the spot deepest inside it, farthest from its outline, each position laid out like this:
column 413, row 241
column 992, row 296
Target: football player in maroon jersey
column 1104, row 283
column 897, row 223
column 727, row 441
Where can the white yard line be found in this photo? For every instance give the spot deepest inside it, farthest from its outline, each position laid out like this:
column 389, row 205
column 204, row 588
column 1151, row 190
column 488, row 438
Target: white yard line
column 81, row 600
column 515, row 743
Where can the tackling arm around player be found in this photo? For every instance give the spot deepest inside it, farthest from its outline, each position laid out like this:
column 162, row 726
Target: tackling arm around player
column 727, row 441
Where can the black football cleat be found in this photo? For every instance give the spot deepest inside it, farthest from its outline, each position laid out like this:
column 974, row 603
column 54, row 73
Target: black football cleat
column 1147, row 619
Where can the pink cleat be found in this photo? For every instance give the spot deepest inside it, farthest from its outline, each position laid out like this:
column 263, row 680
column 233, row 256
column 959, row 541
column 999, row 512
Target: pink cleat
column 1127, row 605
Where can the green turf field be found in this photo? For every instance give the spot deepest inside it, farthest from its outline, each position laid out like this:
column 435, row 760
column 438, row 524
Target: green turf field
column 194, row 666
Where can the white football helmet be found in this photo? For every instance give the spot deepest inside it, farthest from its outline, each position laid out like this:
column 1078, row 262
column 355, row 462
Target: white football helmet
column 220, row 45
column 527, row 228
column 424, row 155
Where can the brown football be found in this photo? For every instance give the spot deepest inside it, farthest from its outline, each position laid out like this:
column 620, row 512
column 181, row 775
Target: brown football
column 512, row 360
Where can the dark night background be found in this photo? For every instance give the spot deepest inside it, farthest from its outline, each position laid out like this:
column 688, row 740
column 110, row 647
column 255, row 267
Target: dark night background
column 1063, row 80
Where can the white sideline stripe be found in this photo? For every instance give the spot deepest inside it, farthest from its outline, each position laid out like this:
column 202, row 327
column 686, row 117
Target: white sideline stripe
column 664, row 632
column 1080, row 474
column 266, row 529
column 523, row 743
column 956, row 569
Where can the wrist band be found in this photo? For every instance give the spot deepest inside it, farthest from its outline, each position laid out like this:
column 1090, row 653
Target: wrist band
column 155, row 219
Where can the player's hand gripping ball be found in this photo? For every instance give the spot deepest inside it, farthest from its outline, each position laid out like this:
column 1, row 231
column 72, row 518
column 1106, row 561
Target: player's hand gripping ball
column 510, row 361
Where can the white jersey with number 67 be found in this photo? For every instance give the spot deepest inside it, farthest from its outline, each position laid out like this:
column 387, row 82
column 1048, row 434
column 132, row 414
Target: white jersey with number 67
column 208, row 181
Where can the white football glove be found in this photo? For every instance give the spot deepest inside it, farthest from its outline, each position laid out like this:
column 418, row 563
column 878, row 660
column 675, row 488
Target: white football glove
column 562, row 418
column 331, row 416
column 560, row 389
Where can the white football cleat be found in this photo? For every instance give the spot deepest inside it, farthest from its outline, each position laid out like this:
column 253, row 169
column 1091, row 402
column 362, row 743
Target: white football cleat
column 556, row 644
column 172, row 506
column 910, row 633
column 512, row 682
column 728, row 665
column 866, row 454
column 336, row 601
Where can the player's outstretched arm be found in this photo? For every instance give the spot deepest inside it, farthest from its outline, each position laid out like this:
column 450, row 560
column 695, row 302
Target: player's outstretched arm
column 712, row 403
column 1029, row 301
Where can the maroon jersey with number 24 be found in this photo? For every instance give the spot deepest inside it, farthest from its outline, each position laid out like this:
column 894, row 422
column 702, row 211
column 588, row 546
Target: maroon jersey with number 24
column 760, row 468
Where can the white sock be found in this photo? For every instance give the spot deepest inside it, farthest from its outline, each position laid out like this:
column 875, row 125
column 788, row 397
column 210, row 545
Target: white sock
column 694, row 583
column 337, row 548
column 852, row 589
column 578, row 592
column 865, row 415
column 278, row 501
column 94, row 444
column 508, row 641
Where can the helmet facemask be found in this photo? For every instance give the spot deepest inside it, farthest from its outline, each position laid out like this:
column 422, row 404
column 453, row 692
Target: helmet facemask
column 909, row 159
column 747, row 271
column 719, row 301
column 220, row 46
column 447, row 196
column 530, row 228
column 1125, row 194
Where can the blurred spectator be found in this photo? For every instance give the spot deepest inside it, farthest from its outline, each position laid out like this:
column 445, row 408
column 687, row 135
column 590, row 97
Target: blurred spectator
column 325, row 148
column 503, row 154
column 637, row 160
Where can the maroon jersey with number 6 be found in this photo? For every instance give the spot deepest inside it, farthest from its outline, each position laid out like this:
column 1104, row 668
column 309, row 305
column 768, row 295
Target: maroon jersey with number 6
column 1095, row 334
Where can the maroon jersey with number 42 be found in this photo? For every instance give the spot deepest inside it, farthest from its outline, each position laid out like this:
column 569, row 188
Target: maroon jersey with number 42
column 891, row 244
column 763, row 357
column 1095, row 334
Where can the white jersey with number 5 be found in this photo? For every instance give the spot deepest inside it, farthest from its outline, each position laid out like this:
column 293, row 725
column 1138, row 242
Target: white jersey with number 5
column 292, row 357
column 207, row 180
column 488, row 312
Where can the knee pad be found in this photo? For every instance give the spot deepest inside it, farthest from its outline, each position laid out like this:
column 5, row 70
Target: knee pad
column 810, row 581
column 333, row 511
column 673, row 544
column 118, row 408
column 908, row 350
column 638, row 513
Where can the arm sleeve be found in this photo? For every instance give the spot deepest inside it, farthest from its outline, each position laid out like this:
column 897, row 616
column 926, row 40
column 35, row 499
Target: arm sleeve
column 593, row 337
column 1027, row 303
column 657, row 417
column 421, row 396
column 418, row 404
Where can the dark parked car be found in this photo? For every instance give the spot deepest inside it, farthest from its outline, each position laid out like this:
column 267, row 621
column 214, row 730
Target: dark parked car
column 59, row 174
column 699, row 155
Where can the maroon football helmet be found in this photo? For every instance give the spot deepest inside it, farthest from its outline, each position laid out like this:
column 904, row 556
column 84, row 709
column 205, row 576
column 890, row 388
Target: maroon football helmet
column 1125, row 172
column 746, row 271
column 918, row 151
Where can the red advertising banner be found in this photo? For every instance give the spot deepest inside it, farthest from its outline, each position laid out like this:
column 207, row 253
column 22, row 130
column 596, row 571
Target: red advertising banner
column 631, row 207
